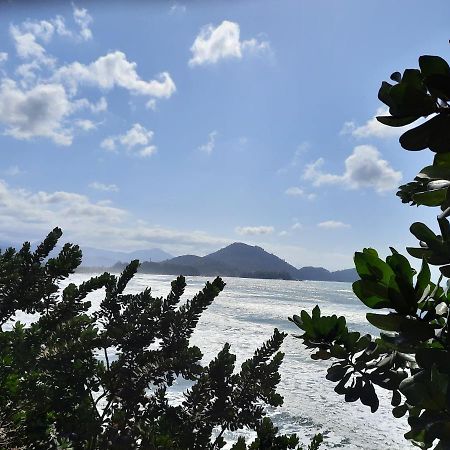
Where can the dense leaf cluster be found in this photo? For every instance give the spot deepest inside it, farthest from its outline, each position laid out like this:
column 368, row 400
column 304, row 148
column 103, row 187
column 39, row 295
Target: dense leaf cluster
column 411, row 356
column 80, row 377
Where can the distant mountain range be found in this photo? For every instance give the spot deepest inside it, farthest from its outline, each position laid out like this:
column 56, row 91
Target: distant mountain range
column 94, row 257
column 235, row 260
column 241, row 260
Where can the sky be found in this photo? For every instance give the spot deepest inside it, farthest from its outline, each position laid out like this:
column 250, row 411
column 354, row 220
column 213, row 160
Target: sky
column 191, row 125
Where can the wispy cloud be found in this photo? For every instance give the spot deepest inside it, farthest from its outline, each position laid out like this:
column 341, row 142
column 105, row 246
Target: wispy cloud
column 103, row 187
column 100, row 224
column 295, row 191
column 296, row 159
column 209, row 146
column 85, row 124
column 373, row 128
column 254, row 230
column 83, row 20
column 136, row 141
column 177, row 8
column 13, row 171
column 332, row 224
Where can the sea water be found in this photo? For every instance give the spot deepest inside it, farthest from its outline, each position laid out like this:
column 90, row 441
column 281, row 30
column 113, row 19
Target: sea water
column 245, row 314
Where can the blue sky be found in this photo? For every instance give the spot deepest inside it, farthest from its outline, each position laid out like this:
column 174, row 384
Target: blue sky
column 188, row 126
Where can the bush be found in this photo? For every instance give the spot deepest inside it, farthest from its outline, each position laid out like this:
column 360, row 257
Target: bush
column 411, row 356
column 61, row 388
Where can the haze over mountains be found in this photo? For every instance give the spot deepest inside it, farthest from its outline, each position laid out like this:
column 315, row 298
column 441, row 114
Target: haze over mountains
column 241, row 260
column 94, row 257
column 235, row 260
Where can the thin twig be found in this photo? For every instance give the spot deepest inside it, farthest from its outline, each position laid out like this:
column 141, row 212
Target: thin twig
column 106, row 358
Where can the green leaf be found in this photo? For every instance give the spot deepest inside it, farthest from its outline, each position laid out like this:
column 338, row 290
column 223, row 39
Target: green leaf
column 411, row 328
column 433, row 134
column 400, row 411
column 396, row 76
column 370, row 266
column 423, row 233
column 423, row 279
column 431, row 198
column 442, row 161
column 372, row 294
column 436, row 171
column 396, row 398
column 392, row 121
column 336, row 372
column 409, row 99
column 429, row 255
column 431, row 65
column 445, row 270
column 384, row 93
column 369, row 397
column 439, row 85
column 427, row 357
column 400, row 265
column 386, row 322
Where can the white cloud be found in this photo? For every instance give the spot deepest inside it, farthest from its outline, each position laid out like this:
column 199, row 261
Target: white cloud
column 137, row 141
column 85, row 124
column 177, row 8
column 27, row 46
column 296, row 158
column 209, row 146
column 83, row 19
column 43, row 97
column 31, row 215
column 104, row 187
column 100, row 106
column 37, row 112
column 295, row 191
column 364, row 168
column 3, row 57
column 147, row 151
column 373, row 128
column 297, row 226
column 13, row 171
column 223, row 42
column 332, row 224
column 283, row 233
column 27, row 34
column 24, row 210
column 252, row 231
column 84, row 103
column 254, row 46
column 114, row 70
column 108, row 143
column 136, row 135
column 151, row 104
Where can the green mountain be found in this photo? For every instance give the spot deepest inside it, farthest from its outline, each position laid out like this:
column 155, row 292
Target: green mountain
column 242, row 260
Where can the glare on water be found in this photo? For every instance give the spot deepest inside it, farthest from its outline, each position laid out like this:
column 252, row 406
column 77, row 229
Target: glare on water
column 245, row 314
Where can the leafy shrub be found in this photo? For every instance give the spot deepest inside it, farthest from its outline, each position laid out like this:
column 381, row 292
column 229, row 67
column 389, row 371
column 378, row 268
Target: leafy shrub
column 411, row 356
column 61, row 388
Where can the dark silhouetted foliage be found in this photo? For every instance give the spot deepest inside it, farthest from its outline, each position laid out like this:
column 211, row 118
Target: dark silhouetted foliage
column 80, row 377
column 411, row 357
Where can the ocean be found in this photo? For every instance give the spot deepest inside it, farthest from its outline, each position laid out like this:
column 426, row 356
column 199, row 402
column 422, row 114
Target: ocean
column 245, row 314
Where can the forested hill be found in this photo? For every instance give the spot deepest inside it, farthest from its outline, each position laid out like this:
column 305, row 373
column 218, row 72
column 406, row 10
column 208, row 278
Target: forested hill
column 242, row 260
